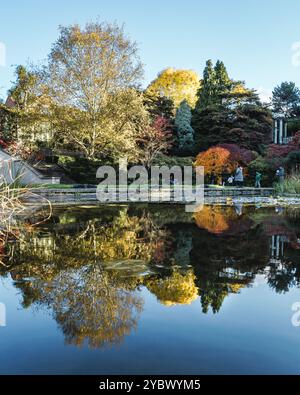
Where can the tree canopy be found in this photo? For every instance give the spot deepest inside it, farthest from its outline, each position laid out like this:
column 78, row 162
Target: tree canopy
column 177, row 85
column 91, row 78
column 286, row 100
column 228, row 112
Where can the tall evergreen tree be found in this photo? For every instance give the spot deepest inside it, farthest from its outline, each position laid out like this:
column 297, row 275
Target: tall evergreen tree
column 206, row 92
column 185, row 131
column 216, row 84
column 222, row 81
column 228, row 112
column 286, row 100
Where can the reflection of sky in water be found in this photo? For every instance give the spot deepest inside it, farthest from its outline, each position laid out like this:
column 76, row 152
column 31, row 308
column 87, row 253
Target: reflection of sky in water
column 153, row 291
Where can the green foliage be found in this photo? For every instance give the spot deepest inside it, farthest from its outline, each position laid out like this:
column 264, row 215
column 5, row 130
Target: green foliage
column 263, row 166
column 293, row 126
column 293, row 160
column 216, row 83
column 7, row 123
column 25, row 109
column 291, row 185
column 185, row 131
column 247, row 125
column 82, row 170
column 22, row 90
column 159, row 106
column 206, row 94
column 227, row 112
column 164, row 160
column 286, row 100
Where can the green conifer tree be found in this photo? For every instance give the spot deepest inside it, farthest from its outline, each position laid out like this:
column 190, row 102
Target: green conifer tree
column 185, row 131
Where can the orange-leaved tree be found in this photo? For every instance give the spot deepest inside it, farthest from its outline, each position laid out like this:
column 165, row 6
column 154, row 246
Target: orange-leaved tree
column 223, row 159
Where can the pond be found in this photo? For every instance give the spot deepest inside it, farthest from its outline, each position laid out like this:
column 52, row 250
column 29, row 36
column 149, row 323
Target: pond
column 153, row 290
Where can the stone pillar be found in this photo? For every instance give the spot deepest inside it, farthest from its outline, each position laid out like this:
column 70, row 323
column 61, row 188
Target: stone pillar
column 273, row 244
column 280, row 140
column 275, row 131
column 277, row 246
column 285, row 129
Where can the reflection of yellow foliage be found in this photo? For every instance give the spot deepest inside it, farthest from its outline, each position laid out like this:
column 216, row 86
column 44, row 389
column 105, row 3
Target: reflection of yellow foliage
column 213, row 218
column 235, row 288
column 175, row 289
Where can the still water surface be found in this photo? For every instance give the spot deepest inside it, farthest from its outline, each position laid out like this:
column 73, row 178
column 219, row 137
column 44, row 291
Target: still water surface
column 153, row 290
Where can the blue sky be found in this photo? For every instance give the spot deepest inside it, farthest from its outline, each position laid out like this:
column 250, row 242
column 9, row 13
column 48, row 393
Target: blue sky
column 253, row 38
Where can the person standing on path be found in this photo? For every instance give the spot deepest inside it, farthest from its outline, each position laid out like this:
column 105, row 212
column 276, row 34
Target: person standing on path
column 239, row 176
column 281, row 174
column 257, row 179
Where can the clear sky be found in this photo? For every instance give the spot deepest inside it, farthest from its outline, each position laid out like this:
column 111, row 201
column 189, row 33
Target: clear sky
column 254, row 38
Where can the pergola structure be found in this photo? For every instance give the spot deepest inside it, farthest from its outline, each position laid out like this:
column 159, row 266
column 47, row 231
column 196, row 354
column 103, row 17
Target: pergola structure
column 280, row 131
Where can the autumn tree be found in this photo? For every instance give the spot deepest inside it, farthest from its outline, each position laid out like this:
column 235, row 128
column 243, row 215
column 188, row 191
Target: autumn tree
column 185, row 131
column 154, row 140
column 177, row 85
column 160, row 106
column 223, row 159
column 91, row 77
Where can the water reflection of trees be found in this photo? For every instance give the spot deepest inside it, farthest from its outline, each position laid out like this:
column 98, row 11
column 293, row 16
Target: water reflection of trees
column 88, row 304
column 88, row 267
column 242, row 250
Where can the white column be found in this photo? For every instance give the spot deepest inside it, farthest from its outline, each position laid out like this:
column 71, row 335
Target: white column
column 277, row 246
column 275, row 131
column 280, row 131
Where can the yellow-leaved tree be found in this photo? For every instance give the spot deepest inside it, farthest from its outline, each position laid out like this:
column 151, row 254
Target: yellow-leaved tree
column 92, row 78
column 177, row 85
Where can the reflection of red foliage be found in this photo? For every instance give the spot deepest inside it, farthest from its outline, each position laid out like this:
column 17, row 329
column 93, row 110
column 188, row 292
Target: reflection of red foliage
column 277, row 226
column 295, row 245
column 222, row 221
column 213, row 219
column 159, row 252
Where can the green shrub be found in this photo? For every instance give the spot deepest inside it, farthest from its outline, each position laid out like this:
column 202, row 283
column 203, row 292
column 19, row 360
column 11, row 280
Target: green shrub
column 290, row 185
column 65, row 161
column 81, row 170
column 264, row 167
column 293, row 160
column 164, row 160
